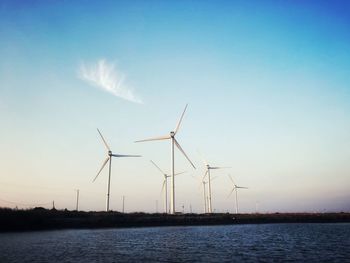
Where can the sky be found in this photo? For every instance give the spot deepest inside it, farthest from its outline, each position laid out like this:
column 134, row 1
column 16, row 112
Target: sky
column 266, row 82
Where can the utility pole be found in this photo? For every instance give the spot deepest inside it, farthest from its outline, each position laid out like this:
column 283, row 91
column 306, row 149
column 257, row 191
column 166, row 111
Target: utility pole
column 77, row 204
column 156, row 206
column 123, row 203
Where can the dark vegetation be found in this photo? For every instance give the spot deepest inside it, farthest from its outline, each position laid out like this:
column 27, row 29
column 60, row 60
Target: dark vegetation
column 43, row 219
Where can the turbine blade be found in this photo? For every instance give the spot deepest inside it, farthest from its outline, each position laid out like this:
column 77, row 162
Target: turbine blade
column 231, row 192
column 125, row 155
column 217, row 167
column 200, row 182
column 179, row 122
column 164, row 181
column 204, row 161
column 155, row 138
column 179, row 147
column 229, row 176
column 206, row 172
column 180, row 173
column 200, row 185
column 104, row 141
column 241, row 187
column 103, row 165
column 160, row 170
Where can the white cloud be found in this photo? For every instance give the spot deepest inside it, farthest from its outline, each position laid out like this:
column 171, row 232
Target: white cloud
column 105, row 76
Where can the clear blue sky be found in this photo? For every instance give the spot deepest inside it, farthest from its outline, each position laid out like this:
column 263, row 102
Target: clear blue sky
column 267, row 84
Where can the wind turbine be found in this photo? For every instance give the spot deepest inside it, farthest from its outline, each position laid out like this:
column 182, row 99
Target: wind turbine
column 203, row 183
column 173, row 141
column 165, row 185
column 109, row 158
column 207, row 172
column 235, row 187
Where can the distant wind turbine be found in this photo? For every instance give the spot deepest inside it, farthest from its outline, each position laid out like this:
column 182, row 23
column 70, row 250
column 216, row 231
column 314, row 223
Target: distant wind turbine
column 203, row 183
column 171, row 136
column 235, row 187
column 204, row 195
column 109, row 158
column 207, row 172
column 165, row 185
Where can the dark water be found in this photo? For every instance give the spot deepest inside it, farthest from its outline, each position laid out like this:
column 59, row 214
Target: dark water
column 248, row 243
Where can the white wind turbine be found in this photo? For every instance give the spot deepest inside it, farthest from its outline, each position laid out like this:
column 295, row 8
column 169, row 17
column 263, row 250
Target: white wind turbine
column 207, row 172
column 165, row 185
column 206, row 198
column 171, row 136
column 203, row 183
column 235, row 187
column 109, row 158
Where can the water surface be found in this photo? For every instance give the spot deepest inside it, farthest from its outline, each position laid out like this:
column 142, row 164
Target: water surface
column 234, row 243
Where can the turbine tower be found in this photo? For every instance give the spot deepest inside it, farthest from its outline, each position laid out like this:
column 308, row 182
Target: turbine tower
column 173, row 141
column 207, row 172
column 165, row 185
column 235, row 187
column 204, row 196
column 203, row 183
column 77, row 204
column 109, row 159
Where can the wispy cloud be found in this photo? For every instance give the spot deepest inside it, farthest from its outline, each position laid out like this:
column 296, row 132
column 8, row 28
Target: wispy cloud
column 104, row 75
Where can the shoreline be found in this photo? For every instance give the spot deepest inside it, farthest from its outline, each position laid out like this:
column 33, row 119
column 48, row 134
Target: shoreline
column 42, row 219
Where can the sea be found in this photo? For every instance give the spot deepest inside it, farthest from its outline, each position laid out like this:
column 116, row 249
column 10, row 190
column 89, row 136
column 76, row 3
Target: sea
column 304, row 242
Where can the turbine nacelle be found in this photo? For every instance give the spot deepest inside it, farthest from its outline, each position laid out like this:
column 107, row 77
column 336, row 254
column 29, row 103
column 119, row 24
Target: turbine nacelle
column 110, row 153
column 172, row 134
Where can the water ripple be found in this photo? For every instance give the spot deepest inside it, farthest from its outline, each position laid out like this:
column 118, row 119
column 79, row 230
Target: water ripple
column 235, row 243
